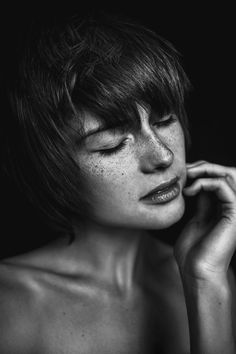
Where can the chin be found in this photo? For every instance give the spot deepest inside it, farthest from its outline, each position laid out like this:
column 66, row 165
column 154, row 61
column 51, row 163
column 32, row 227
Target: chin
column 166, row 215
column 151, row 217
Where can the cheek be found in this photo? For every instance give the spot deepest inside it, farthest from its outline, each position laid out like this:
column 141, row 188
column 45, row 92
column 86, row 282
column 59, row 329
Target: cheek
column 111, row 189
column 104, row 175
column 176, row 141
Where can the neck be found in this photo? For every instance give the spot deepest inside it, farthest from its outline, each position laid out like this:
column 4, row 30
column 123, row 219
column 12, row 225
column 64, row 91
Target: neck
column 111, row 255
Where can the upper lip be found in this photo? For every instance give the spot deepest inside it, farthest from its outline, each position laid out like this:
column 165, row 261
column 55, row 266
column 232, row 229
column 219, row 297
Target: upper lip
column 162, row 186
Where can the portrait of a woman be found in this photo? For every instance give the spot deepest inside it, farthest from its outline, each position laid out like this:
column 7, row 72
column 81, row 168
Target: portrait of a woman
column 100, row 147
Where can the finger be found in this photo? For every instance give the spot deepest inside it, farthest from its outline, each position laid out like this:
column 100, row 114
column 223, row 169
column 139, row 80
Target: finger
column 208, row 167
column 215, row 170
column 196, row 163
column 218, row 185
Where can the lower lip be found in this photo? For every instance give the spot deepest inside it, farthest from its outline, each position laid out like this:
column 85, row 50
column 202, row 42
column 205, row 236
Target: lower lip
column 164, row 196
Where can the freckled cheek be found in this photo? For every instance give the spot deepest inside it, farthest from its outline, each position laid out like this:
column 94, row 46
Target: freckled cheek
column 176, row 142
column 104, row 174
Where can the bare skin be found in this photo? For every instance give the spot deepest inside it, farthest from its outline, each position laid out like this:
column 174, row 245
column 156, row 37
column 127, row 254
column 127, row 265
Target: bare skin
column 58, row 307
column 115, row 289
column 50, row 307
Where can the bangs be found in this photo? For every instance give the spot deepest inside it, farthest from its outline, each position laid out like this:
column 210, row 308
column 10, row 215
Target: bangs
column 124, row 68
column 105, row 66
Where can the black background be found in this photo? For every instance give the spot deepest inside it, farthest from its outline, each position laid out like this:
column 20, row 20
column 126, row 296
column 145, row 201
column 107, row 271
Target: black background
column 205, row 37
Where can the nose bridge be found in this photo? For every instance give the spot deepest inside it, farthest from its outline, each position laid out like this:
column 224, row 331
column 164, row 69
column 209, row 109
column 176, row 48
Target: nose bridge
column 154, row 151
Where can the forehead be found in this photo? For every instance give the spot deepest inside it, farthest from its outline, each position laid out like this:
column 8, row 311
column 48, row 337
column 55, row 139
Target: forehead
column 82, row 124
column 88, row 123
column 91, row 121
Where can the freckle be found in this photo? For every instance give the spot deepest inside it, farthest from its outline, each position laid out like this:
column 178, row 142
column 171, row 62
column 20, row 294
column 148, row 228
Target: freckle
column 64, row 313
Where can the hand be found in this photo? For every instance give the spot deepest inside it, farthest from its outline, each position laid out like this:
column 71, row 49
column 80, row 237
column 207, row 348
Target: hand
column 208, row 241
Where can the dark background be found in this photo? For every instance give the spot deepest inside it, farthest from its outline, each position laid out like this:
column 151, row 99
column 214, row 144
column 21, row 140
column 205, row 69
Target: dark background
column 204, row 36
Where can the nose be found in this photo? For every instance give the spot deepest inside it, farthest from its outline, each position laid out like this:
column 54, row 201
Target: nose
column 155, row 154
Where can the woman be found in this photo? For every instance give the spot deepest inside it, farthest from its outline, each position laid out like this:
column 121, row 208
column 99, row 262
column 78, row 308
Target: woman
column 100, row 144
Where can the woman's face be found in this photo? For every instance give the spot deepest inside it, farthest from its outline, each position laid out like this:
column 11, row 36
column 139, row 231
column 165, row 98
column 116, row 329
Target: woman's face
column 121, row 167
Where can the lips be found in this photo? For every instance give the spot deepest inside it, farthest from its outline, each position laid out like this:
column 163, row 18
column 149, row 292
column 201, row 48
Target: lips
column 161, row 187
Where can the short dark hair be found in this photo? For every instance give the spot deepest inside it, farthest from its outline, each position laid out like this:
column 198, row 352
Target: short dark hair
column 102, row 64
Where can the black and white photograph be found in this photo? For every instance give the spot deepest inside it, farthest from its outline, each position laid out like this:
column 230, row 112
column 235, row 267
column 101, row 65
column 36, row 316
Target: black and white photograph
column 118, row 178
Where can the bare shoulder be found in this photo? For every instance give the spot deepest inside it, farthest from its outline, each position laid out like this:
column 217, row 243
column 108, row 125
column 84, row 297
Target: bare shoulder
column 37, row 305
column 16, row 315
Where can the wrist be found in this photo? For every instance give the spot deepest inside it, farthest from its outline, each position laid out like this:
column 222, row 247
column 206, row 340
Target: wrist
column 206, row 285
column 211, row 291
column 209, row 307
column 200, row 276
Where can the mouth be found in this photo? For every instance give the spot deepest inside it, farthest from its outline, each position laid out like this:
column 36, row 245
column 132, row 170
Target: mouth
column 164, row 192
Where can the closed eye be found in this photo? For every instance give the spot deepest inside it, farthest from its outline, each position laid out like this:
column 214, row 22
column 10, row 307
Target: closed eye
column 164, row 122
column 107, row 152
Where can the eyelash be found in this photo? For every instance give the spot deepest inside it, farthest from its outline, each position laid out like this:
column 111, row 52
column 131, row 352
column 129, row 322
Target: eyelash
column 161, row 123
column 112, row 151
